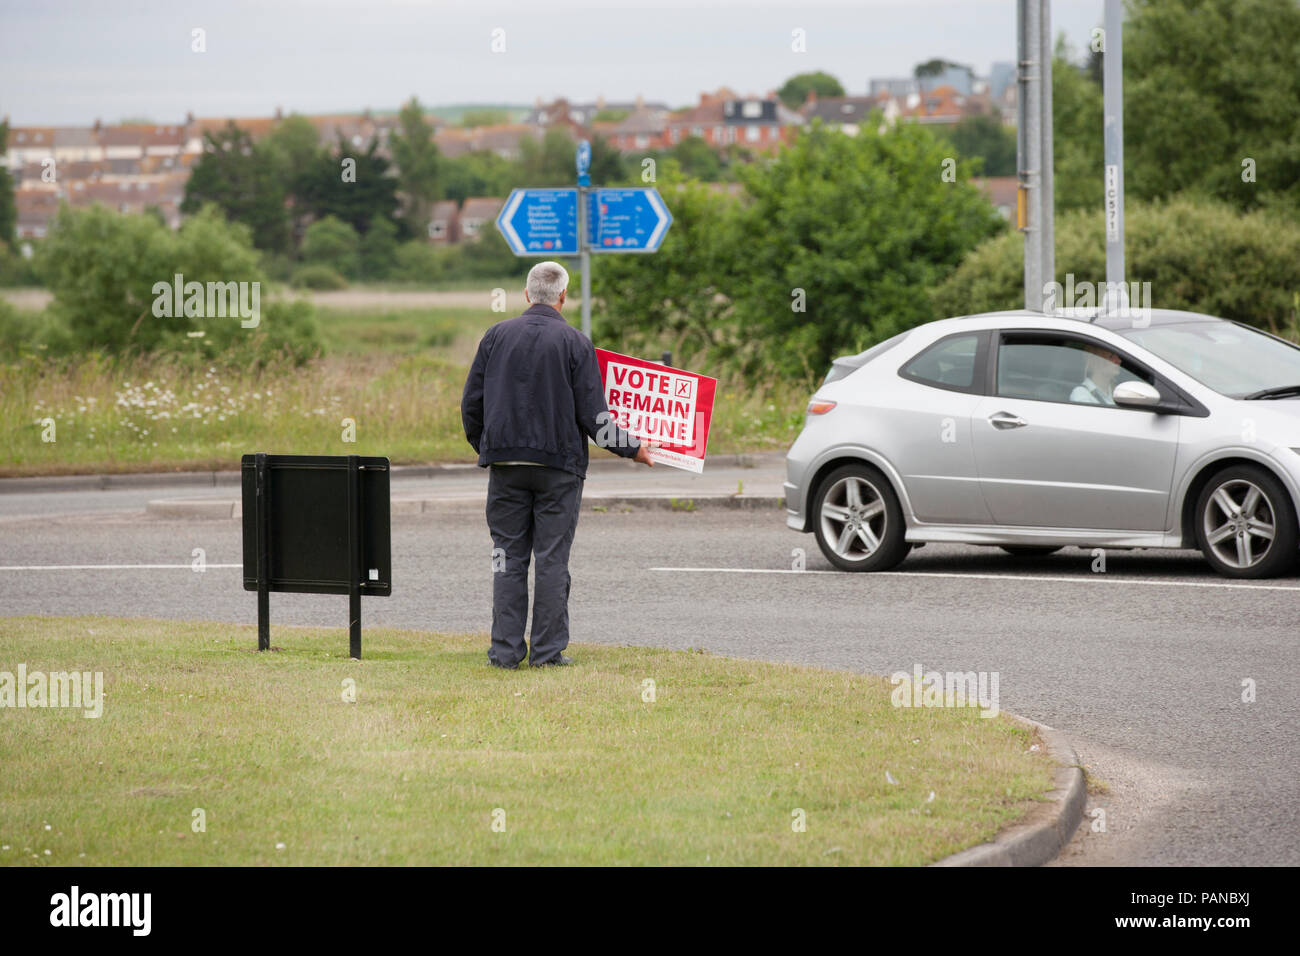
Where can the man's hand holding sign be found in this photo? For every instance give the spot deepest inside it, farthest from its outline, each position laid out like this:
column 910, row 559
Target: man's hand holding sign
column 666, row 408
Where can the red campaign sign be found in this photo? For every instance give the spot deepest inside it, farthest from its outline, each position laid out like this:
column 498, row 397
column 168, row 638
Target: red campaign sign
column 668, row 407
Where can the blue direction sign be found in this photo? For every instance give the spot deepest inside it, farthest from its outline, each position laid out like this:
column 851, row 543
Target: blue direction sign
column 626, row 220
column 541, row 222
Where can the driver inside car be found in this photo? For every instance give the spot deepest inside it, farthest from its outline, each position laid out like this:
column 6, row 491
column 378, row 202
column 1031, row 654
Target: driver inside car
column 1101, row 369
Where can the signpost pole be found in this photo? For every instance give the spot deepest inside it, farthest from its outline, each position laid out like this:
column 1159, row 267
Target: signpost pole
column 354, row 556
column 584, row 261
column 263, row 555
column 1113, row 99
column 582, row 160
column 1034, row 199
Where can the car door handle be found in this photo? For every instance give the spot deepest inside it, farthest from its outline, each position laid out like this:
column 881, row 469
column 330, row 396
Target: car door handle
column 1006, row 420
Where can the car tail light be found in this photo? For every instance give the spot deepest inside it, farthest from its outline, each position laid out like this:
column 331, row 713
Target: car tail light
column 819, row 407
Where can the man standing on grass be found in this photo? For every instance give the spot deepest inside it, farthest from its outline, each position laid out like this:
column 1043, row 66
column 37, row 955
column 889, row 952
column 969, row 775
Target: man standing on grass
column 532, row 398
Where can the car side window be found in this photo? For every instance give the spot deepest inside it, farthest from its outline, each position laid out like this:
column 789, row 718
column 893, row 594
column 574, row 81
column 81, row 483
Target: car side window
column 950, row 363
column 1047, row 368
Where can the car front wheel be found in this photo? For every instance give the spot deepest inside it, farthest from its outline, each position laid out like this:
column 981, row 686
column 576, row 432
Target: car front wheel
column 858, row 520
column 1246, row 524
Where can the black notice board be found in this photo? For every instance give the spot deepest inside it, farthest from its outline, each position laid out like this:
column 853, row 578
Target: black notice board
column 308, row 524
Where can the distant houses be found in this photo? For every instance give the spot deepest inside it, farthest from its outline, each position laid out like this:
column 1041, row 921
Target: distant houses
column 451, row 223
column 133, row 167
column 130, row 168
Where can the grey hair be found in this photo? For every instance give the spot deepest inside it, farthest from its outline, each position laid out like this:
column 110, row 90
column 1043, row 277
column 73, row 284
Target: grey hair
column 546, row 281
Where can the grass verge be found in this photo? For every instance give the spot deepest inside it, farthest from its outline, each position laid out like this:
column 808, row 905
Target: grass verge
column 582, row 767
column 396, row 375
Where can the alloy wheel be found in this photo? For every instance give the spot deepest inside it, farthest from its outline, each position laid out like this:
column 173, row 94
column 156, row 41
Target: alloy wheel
column 854, row 518
column 1239, row 523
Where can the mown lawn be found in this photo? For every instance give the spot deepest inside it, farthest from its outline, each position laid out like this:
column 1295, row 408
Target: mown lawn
column 574, row 765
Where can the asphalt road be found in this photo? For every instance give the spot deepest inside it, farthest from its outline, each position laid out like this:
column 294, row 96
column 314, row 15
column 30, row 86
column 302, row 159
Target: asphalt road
column 1142, row 666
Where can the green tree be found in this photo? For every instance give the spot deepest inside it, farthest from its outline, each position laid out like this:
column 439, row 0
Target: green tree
column 291, row 147
column 378, row 249
column 549, row 162
column 843, row 238
column 834, row 247
column 678, row 298
column 1198, row 254
column 333, row 243
column 698, row 159
column 240, row 179
column 419, row 166
column 986, row 139
column 351, row 184
column 935, row 67
column 479, row 174
column 607, row 164
column 112, row 276
column 794, row 91
column 1077, row 136
column 8, row 212
column 1208, row 85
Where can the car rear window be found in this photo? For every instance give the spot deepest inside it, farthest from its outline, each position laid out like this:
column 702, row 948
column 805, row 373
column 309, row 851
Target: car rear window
column 948, row 363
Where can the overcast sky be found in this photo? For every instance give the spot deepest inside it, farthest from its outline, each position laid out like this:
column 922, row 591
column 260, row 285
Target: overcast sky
column 69, row 62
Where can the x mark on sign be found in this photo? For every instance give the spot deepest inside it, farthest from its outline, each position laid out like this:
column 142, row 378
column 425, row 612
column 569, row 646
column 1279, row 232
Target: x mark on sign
column 683, row 388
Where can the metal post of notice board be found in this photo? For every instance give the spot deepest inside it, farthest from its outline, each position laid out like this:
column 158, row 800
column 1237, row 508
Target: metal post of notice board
column 263, row 519
column 354, row 556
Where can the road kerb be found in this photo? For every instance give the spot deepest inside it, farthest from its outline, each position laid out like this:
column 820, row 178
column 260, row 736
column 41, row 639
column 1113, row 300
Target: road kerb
column 208, row 508
column 1049, row 826
column 599, row 463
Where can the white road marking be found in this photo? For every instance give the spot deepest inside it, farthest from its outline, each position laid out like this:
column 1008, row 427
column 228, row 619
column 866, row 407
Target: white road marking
column 105, row 567
column 1070, row 579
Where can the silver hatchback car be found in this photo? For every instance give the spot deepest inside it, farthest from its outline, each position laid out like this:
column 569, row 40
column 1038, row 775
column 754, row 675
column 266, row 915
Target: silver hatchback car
column 1033, row 432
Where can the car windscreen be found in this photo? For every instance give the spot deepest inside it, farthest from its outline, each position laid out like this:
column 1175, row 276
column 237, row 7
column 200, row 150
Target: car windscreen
column 1232, row 359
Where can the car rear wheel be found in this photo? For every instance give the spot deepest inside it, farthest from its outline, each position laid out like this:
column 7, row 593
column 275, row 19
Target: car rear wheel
column 858, row 520
column 1028, row 551
column 1246, row 524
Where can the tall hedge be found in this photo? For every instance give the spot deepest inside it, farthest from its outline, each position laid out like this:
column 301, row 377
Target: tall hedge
column 102, row 268
column 832, row 247
column 1199, row 255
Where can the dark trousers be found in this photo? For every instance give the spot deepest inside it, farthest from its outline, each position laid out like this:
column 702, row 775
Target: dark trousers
column 531, row 510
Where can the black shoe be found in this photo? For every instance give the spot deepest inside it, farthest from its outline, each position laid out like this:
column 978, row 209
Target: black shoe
column 504, row 667
column 560, row 661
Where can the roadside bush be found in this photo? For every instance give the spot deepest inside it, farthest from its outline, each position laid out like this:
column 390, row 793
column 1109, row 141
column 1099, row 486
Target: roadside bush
column 332, row 243
column 678, row 298
column 486, row 256
column 113, row 280
column 834, row 247
column 317, row 277
column 15, row 270
column 1198, row 254
column 278, row 266
column 377, row 248
column 19, row 331
column 416, row 261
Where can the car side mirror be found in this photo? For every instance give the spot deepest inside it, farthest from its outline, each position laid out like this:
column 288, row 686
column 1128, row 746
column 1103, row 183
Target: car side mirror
column 1137, row 394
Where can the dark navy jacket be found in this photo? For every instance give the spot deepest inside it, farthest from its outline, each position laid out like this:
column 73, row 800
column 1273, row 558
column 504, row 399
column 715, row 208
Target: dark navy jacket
column 534, row 393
